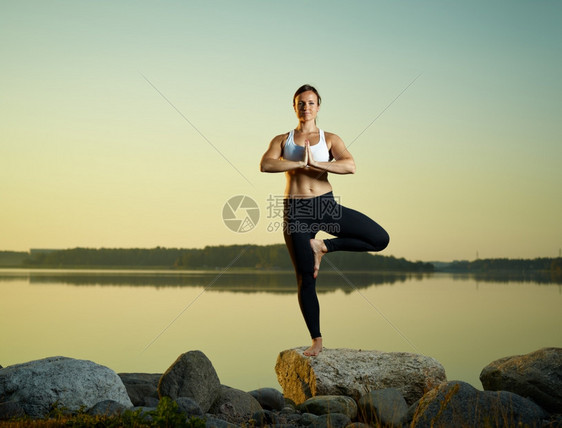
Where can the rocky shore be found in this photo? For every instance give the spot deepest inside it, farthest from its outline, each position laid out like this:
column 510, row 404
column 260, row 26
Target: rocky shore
column 338, row 388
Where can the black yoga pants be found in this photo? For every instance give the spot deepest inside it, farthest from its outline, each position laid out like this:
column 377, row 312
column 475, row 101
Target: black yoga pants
column 303, row 218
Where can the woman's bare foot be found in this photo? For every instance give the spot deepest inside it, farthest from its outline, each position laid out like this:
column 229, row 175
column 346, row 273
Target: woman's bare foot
column 315, row 349
column 319, row 249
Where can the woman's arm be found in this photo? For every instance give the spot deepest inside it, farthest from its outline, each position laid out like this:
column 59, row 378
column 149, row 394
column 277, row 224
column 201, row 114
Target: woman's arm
column 271, row 160
column 343, row 162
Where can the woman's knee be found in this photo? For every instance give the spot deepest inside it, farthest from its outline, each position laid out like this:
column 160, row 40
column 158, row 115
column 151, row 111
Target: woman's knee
column 380, row 239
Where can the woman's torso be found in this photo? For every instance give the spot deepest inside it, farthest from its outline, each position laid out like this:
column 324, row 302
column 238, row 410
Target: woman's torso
column 306, row 182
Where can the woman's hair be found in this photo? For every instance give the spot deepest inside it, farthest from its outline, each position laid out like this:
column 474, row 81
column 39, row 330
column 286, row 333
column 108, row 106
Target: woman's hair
column 305, row 88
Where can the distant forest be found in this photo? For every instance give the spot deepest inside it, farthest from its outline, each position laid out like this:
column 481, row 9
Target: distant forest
column 498, row 265
column 265, row 257
column 268, row 257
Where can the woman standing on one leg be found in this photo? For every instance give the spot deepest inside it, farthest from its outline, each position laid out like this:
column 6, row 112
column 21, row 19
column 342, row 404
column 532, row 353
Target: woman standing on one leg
column 306, row 155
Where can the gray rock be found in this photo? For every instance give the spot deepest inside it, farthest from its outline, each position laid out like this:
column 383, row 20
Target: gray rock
column 234, row 403
column 331, row 420
column 358, row 425
column 212, row 422
column 324, row 404
column 307, row 418
column 384, row 406
column 11, row 409
column 141, row 386
column 188, row 406
column 191, row 375
column 269, row 398
column 460, row 404
column 68, row 382
column 151, row 402
column 353, row 373
column 107, row 408
column 537, row 375
column 264, row 418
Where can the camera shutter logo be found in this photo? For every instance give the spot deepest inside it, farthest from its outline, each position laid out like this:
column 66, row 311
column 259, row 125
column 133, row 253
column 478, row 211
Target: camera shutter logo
column 240, row 214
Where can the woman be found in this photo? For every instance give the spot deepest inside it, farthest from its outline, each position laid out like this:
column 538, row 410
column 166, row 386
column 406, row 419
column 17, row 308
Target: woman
column 306, row 155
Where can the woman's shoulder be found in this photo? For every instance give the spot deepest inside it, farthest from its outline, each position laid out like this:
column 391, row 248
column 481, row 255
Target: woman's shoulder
column 331, row 137
column 280, row 139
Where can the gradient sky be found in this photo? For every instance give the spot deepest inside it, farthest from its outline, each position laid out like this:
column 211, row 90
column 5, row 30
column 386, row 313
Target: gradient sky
column 110, row 111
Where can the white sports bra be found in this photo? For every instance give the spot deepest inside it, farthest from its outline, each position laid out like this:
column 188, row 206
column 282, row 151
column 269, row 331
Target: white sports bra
column 293, row 152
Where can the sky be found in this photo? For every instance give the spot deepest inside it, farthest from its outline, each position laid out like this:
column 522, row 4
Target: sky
column 132, row 124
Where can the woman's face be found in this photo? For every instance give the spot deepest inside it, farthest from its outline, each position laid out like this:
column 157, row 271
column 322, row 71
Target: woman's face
column 306, row 106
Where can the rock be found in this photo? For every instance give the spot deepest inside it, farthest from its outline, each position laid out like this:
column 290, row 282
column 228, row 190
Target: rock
column 353, row 373
column 70, row 383
column 234, row 404
column 212, row 422
column 11, row 409
column 264, row 418
column 107, row 408
column 460, row 404
column 386, row 407
column 537, row 376
column 151, row 402
column 188, row 406
column 331, row 420
column 191, row 375
column 308, row 418
column 269, row 398
column 358, row 425
column 141, row 386
column 324, row 404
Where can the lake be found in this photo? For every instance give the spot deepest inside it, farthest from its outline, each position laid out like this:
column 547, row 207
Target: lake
column 141, row 321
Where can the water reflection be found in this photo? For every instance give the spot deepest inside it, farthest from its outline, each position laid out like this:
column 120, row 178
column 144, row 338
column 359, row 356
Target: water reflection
column 540, row 277
column 243, row 282
column 255, row 281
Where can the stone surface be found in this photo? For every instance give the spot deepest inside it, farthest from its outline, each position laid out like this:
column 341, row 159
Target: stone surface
column 269, row 398
column 324, row 404
column 460, row 404
column 189, row 406
column 107, row 408
column 537, row 375
column 265, row 418
column 355, row 372
column 234, row 404
column 11, row 409
column 71, row 383
column 212, row 422
column 141, row 386
column 191, row 375
column 331, row 420
column 384, row 406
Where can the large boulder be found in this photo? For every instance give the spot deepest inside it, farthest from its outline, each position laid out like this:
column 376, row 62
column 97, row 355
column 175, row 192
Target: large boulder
column 459, row 404
column 324, row 404
column 269, row 398
column 141, row 387
column 354, row 372
column 537, row 375
column 385, row 407
column 191, row 375
column 71, row 383
column 234, row 404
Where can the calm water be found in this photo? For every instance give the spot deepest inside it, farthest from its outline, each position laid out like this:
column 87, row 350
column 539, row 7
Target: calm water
column 141, row 321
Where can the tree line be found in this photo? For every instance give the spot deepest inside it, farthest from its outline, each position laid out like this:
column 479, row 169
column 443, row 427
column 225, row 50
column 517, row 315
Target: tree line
column 503, row 264
column 213, row 257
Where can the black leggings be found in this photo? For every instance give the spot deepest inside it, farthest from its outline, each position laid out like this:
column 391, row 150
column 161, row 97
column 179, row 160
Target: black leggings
column 303, row 218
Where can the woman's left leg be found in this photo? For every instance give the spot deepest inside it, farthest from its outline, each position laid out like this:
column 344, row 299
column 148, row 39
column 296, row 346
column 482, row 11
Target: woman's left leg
column 354, row 231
